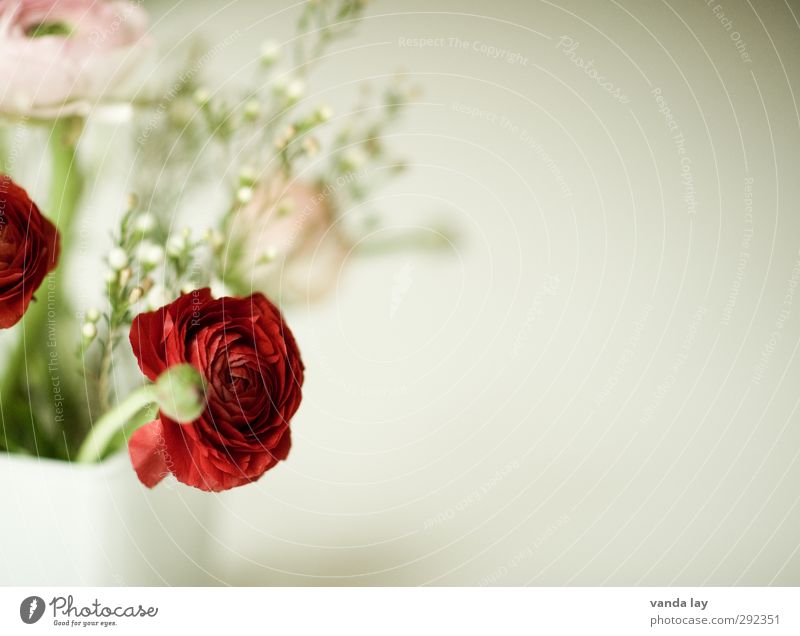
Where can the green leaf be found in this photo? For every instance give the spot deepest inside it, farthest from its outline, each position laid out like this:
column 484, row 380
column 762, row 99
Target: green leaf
column 42, row 29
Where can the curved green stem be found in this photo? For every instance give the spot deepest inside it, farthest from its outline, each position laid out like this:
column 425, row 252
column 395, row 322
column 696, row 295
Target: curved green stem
column 105, row 430
column 36, row 393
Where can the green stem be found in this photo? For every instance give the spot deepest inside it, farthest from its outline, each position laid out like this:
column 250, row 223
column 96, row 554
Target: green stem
column 36, row 393
column 107, row 427
column 5, row 159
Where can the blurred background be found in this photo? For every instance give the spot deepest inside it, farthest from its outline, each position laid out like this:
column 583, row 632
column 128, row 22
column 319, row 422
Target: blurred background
column 597, row 383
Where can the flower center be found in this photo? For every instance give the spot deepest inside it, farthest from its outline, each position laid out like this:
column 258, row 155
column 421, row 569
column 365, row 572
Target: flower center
column 238, row 380
column 42, row 29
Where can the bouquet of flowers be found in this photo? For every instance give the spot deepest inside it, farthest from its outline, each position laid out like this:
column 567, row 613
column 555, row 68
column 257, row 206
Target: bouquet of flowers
column 221, row 372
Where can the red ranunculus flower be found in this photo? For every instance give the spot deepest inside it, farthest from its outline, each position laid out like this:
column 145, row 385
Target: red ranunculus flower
column 253, row 375
column 29, row 248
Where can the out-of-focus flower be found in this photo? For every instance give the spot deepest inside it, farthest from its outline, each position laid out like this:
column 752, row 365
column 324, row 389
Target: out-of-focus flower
column 293, row 248
column 29, row 250
column 60, row 57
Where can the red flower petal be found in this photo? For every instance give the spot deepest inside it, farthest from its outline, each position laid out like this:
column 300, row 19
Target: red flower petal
column 148, row 455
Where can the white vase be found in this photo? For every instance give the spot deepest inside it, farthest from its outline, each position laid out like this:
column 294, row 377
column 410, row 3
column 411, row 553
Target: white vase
column 95, row 524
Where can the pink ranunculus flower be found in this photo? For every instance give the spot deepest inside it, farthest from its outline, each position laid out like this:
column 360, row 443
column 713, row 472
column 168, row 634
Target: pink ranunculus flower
column 60, row 57
column 294, row 246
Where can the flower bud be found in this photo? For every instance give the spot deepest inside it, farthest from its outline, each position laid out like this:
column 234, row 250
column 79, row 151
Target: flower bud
column 125, row 276
column 295, row 89
column 89, row 331
column 201, row 97
column 135, row 295
column 176, row 245
column 252, row 109
column 247, row 176
column 157, row 297
column 145, row 223
column 149, row 254
column 244, row 194
column 270, row 52
column 117, row 259
column 354, row 159
column 93, row 314
column 180, row 393
column 269, row 255
column 324, row 113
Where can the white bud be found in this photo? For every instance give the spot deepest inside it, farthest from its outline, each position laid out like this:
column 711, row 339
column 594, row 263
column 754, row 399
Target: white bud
column 244, row 195
column 145, row 223
column 219, row 289
column 89, row 330
column 117, row 259
column 93, row 314
column 295, row 89
column 176, row 245
column 247, row 175
column 270, row 52
column 150, row 254
column 252, row 109
column 270, row 254
column 354, row 158
column 201, row 96
column 157, row 297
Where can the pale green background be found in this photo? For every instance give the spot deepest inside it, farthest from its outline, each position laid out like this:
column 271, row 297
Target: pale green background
column 565, row 399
